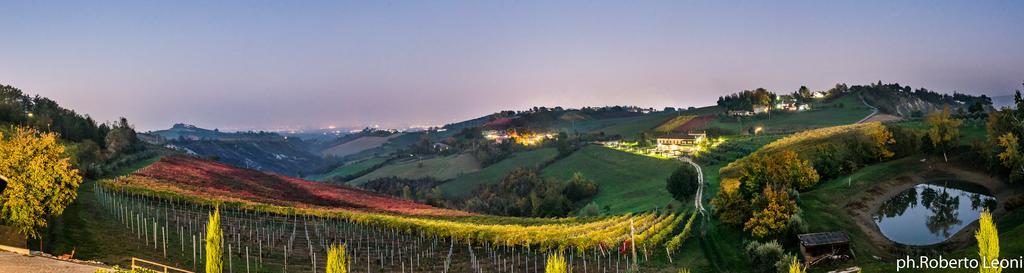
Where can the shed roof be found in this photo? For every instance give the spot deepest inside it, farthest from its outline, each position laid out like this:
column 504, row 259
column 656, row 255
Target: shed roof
column 823, row 238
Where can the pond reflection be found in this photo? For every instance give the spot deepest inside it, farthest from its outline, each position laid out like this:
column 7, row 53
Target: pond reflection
column 930, row 213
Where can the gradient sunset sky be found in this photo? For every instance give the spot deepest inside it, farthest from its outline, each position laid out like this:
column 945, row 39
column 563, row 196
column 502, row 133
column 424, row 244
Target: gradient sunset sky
column 273, row 64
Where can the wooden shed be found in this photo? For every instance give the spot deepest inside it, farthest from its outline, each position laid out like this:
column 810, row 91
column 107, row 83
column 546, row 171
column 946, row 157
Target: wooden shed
column 824, row 247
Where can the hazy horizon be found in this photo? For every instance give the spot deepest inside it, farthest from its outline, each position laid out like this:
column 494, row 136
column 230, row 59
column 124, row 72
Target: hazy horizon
column 242, row 65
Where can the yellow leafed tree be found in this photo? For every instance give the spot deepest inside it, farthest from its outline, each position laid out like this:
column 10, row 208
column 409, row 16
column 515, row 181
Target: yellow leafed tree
column 556, row 264
column 214, row 244
column 988, row 243
column 336, row 259
column 38, row 180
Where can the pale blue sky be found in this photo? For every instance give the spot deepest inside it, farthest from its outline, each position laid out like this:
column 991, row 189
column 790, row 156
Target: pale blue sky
column 270, row 64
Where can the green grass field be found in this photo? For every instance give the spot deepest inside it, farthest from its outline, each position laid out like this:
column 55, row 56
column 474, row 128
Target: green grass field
column 844, row 110
column 627, row 182
column 349, row 169
column 465, row 184
column 970, row 130
column 440, row 168
column 85, row 228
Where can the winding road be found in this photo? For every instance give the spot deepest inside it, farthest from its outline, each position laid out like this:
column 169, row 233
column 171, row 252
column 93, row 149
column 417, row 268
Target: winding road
column 873, row 112
column 698, row 198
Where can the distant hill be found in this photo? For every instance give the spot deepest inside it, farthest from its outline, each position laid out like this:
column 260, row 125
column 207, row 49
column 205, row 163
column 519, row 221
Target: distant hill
column 182, row 131
column 1003, row 101
column 262, row 151
column 902, row 101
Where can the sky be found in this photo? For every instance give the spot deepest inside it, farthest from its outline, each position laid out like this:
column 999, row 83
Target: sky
column 293, row 64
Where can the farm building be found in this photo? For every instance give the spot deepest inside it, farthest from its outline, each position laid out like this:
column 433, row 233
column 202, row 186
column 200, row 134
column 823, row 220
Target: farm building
column 824, row 246
column 757, row 109
column 679, row 143
column 793, row 106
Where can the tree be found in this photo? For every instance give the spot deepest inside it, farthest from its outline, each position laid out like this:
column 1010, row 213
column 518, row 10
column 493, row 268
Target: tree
column 773, row 210
column 731, row 207
column 1012, row 157
column 40, row 181
column 943, row 131
column 781, row 170
column 803, row 94
column 580, row 188
column 880, row 139
column 988, row 243
column 337, row 259
column 214, row 244
column 683, row 182
column 556, row 264
column 122, row 138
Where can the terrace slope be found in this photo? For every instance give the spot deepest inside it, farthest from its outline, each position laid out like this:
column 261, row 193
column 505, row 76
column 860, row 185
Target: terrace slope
column 197, row 177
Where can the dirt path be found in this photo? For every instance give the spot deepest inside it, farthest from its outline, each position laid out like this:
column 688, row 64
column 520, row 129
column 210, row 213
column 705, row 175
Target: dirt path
column 14, row 263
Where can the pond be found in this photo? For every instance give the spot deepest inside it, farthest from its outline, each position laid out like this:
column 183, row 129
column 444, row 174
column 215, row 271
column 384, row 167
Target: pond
column 931, row 213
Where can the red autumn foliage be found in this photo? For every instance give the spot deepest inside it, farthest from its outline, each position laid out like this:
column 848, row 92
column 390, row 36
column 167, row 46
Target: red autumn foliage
column 210, row 179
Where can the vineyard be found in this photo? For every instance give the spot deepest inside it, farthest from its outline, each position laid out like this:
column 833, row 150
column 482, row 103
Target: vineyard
column 671, row 124
column 162, row 206
column 685, row 124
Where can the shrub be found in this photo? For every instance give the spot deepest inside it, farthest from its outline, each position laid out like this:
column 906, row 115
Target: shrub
column 556, row 264
column 765, row 256
column 337, row 259
column 214, row 247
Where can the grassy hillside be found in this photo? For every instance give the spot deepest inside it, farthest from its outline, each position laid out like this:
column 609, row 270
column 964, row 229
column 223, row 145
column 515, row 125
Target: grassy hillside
column 349, row 169
column 440, row 168
column 845, row 110
column 627, row 127
column 627, row 182
column 357, row 145
column 465, row 184
column 630, row 127
column 970, row 130
column 803, row 143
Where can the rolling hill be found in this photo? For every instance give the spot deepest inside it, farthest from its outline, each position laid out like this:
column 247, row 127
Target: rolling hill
column 440, row 168
column 466, row 184
column 357, row 145
column 626, row 182
column 262, row 151
column 190, row 176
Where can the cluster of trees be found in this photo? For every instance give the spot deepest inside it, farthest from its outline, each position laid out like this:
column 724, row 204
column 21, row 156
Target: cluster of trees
column 44, row 114
column 523, row 192
column 420, row 189
column 765, row 202
column 1005, row 145
column 746, row 99
column 95, row 143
